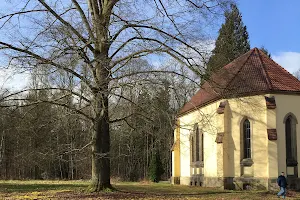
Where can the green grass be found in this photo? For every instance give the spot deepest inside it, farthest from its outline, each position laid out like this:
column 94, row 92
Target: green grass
column 125, row 190
column 165, row 188
column 38, row 186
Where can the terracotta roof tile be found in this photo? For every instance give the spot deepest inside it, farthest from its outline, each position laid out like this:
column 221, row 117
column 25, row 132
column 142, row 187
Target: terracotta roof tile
column 205, row 94
column 252, row 73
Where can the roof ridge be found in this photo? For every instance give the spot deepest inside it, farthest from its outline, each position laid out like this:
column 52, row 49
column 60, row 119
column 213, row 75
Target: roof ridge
column 270, row 86
column 240, row 69
column 254, row 68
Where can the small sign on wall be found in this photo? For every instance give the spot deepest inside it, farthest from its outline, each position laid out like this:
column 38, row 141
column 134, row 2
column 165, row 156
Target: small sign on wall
column 272, row 134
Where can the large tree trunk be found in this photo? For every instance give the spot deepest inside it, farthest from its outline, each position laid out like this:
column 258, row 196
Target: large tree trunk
column 101, row 142
column 101, row 136
column 100, row 151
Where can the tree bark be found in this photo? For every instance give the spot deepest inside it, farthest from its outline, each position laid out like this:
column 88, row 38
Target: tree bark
column 101, row 136
column 101, row 149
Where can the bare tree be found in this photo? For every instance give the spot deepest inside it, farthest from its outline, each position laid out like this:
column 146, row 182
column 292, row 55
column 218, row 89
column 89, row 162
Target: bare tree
column 94, row 41
column 297, row 74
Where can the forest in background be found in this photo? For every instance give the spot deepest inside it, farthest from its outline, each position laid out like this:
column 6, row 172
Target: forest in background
column 48, row 129
column 40, row 140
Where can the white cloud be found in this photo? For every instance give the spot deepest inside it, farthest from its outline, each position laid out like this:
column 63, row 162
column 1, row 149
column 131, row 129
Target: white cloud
column 13, row 80
column 288, row 60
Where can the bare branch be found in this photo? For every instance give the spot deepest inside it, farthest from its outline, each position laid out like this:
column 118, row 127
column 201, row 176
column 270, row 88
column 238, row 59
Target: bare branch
column 169, row 17
column 67, row 24
column 42, row 89
column 77, row 150
column 46, row 101
column 21, row 12
column 128, row 116
column 162, row 43
column 45, row 61
column 137, row 54
column 167, row 34
column 84, row 19
column 154, row 71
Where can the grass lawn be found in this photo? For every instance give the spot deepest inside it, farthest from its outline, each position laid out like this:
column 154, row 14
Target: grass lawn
column 125, row 190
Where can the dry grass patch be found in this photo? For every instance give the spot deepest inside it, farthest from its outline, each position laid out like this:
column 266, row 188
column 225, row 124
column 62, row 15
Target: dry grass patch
column 125, row 190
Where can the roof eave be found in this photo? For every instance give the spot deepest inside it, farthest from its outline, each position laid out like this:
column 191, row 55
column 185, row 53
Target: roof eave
column 238, row 96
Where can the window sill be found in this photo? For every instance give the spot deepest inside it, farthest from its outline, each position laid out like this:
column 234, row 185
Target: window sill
column 291, row 163
column 197, row 164
column 247, row 162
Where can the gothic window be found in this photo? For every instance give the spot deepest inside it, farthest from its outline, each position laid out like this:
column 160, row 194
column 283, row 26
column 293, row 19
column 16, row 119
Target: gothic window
column 202, row 147
column 192, row 149
column 247, row 139
column 197, row 143
column 290, row 140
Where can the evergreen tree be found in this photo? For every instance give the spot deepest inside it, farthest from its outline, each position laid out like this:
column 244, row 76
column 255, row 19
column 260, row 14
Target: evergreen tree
column 156, row 168
column 263, row 49
column 162, row 126
column 232, row 42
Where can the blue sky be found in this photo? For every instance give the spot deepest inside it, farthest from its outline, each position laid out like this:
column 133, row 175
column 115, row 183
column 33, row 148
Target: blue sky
column 275, row 25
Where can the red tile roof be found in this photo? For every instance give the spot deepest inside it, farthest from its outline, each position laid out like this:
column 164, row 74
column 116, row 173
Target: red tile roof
column 252, row 73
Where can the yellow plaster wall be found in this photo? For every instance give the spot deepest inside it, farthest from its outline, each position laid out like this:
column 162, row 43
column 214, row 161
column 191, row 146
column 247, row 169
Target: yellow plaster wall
column 253, row 108
column 173, row 164
column 209, row 125
column 184, row 153
column 272, row 145
column 284, row 105
column 220, row 146
column 176, row 151
column 268, row 156
column 228, row 144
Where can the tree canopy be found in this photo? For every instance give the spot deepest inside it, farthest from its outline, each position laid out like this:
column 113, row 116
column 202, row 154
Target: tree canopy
column 232, row 42
column 95, row 44
column 263, row 49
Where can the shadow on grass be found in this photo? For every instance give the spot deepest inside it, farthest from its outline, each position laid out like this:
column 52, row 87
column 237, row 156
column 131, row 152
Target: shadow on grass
column 36, row 187
column 77, row 190
column 174, row 194
column 170, row 190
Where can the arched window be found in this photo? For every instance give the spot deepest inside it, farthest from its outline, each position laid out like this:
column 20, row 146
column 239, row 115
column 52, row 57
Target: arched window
column 202, row 148
column 192, row 149
column 290, row 141
column 246, row 139
column 197, row 143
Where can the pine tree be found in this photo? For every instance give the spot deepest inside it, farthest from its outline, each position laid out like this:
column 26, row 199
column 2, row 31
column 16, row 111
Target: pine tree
column 232, row 42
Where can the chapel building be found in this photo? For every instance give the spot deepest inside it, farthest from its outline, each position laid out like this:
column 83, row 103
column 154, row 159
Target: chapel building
column 241, row 128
